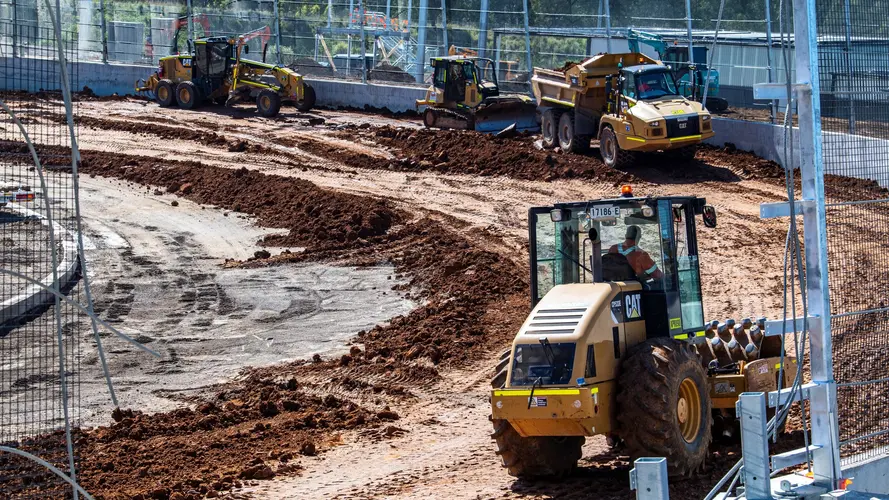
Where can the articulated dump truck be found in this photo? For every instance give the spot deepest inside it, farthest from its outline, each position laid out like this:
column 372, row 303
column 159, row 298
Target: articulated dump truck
column 629, row 103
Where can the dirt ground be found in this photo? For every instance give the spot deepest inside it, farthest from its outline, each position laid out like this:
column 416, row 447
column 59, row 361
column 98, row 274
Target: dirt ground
column 435, row 225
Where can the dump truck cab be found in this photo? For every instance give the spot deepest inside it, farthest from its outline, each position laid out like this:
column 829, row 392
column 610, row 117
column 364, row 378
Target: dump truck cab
column 616, row 342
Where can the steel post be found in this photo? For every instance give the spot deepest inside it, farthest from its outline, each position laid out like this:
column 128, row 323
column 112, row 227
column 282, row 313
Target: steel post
column 444, row 25
column 348, row 55
column 528, row 43
column 363, row 43
column 751, row 411
column 316, row 45
column 826, row 460
column 15, row 26
column 599, row 16
column 608, row 26
column 649, row 478
column 388, row 11
column 329, row 14
column 773, row 109
column 483, row 29
column 277, row 34
column 848, row 18
column 189, row 18
column 691, row 57
column 497, row 56
column 420, row 69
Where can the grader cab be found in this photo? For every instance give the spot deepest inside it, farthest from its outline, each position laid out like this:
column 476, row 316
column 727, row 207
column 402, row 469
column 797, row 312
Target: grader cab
column 616, row 343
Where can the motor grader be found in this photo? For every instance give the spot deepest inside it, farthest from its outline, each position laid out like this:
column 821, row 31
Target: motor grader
column 613, row 349
column 629, row 103
column 217, row 72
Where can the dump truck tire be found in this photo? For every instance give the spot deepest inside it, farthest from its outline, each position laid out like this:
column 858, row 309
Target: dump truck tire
column 536, row 456
column 568, row 140
column 268, row 103
column 165, row 94
column 187, row 95
column 664, row 407
column 610, row 149
column 549, row 128
column 308, row 101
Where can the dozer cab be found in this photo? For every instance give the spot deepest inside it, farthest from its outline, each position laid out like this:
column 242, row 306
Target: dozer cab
column 628, row 102
column 465, row 95
column 616, row 342
column 217, row 72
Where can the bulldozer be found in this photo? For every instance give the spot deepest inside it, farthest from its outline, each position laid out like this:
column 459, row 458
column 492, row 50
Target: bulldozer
column 215, row 71
column 613, row 349
column 465, row 95
column 629, row 103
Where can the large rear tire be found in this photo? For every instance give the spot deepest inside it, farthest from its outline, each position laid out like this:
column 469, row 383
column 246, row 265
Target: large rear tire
column 610, row 149
column 187, row 95
column 664, row 407
column 308, row 101
column 536, row 456
column 268, row 103
column 549, row 128
column 165, row 94
column 569, row 141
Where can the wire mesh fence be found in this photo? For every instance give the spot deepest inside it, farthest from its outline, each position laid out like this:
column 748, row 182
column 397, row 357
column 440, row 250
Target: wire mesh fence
column 393, row 40
column 853, row 61
column 40, row 334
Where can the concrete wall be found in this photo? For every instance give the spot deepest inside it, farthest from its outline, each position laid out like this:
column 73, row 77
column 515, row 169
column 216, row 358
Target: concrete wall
column 870, row 476
column 764, row 139
column 31, row 74
column 336, row 93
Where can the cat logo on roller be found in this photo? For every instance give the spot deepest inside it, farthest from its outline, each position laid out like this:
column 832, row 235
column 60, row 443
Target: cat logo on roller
column 633, row 306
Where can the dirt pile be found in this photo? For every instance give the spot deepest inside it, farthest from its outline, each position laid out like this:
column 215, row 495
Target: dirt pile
column 388, row 73
column 307, row 66
column 315, row 217
column 565, row 67
column 472, row 153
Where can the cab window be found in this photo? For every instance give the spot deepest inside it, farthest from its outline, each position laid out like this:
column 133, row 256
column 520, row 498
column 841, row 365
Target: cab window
column 440, row 76
column 628, row 87
column 687, row 270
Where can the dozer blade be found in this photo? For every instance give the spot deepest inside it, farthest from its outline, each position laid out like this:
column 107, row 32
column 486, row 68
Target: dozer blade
column 501, row 114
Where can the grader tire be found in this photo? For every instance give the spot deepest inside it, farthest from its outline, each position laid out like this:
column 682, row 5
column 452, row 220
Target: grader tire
column 536, row 456
column 268, row 103
column 308, row 101
column 166, row 96
column 664, row 407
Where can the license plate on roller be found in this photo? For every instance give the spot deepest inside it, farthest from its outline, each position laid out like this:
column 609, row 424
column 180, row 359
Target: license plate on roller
column 604, row 212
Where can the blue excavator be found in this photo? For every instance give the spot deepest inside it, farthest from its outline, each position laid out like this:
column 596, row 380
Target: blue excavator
column 690, row 76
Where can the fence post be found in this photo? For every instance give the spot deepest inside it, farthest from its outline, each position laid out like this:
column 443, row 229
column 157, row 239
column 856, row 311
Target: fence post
column 483, row 29
column 363, row 43
column 608, row 26
column 15, row 26
column 277, row 34
column 848, row 18
column 103, row 26
column 773, row 108
column 528, row 43
column 691, row 57
column 826, row 460
column 330, row 13
column 420, row 70
column 189, row 14
column 444, row 25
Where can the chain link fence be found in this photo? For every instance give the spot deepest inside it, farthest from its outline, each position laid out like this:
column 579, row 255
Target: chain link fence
column 854, row 64
column 41, row 333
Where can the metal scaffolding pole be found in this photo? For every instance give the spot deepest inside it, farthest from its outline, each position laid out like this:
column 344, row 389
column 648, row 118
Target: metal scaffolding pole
column 189, row 18
column 823, row 399
column 483, row 29
column 444, row 25
column 277, row 34
column 420, row 69
column 773, row 108
column 330, row 13
column 528, row 44
column 15, row 25
column 691, row 57
column 363, row 43
column 608, row 26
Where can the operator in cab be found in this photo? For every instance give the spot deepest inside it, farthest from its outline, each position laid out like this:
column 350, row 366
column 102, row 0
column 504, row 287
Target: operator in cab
column 642, row 263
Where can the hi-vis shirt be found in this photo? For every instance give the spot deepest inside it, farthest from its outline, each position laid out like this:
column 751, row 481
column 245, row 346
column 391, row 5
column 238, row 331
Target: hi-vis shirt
column 639, row 259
